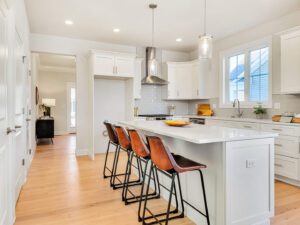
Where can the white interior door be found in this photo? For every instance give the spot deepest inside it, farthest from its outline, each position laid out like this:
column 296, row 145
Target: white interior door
column 4, row 167
column 109, row 104
column 20, row 119
column 28, row 117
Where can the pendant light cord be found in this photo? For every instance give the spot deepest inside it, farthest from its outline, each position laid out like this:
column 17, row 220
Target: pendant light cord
column 204, row 21
column 152, row 27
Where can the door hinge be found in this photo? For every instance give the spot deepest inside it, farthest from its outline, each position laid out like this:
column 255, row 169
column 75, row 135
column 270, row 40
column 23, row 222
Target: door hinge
column 29, row 111
column 23, row 162
column 30, row 151
column 23, row 110
column 23, row 58
column 29, row 72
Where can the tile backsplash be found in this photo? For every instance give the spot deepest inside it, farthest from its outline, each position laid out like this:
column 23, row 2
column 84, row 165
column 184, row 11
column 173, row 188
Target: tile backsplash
column 151, row 102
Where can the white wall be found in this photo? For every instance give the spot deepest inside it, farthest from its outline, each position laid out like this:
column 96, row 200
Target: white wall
column 80, row 49
column 54, row 85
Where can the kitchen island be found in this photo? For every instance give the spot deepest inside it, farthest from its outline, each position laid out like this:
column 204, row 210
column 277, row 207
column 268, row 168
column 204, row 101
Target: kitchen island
column 239, row 177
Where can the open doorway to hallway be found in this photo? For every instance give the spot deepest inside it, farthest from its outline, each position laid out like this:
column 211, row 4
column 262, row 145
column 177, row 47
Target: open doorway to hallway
column 55, row 83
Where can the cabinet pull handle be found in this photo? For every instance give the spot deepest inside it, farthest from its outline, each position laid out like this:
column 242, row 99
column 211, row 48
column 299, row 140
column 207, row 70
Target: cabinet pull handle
column 276, row 129
column 278, row 165
column 104, row 133
column 278, row 145
column 197, row 92
column 116, row 70
column 246, row 126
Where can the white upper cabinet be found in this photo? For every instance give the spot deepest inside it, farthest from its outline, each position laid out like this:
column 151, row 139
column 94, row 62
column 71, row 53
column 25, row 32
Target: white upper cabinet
column 124, row 66
column 290, row 62
column 137, row 87
column 187, row 80
column 113, row 64
column 104, row 65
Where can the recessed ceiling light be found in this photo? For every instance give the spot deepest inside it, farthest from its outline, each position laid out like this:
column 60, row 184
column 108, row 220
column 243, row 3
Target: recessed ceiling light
column 179, row 39
column 116, row 30
column 68, row 22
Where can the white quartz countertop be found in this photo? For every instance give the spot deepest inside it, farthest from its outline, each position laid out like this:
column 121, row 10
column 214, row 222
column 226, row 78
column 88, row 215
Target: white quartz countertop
column 250, row 120
column 199, row 134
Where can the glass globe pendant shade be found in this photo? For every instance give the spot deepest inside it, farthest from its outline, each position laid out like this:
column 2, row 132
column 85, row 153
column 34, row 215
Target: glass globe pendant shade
column 153, row 67
column 205, row 47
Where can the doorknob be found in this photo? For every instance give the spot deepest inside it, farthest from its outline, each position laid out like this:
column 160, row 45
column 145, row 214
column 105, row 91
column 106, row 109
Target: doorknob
column 18, row 126
column 9, row 130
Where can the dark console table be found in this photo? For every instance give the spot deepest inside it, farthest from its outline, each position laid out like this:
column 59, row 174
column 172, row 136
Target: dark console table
column 45, row 128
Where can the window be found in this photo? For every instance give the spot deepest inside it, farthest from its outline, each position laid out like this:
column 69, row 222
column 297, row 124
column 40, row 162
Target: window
column 71, row 107
column 246, row 75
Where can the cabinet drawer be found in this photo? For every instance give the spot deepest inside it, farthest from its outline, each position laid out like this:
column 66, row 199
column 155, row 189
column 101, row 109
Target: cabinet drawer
column 287, row 146
column 287, row 167
column 251, row 126
column 283, row 130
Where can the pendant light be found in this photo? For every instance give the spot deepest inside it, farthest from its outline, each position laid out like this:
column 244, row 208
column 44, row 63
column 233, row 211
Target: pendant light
column 205, row 41
column 153, row 63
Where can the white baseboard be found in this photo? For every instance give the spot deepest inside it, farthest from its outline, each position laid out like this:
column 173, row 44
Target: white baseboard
column 81, row 152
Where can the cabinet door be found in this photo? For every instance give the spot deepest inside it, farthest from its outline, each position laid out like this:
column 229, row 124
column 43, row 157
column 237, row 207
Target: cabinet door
column 172, row 88
column 184, row 81
column 124, row 66
column 104, row 65
column 290, row 63
column 200, row 76
column 137, row 79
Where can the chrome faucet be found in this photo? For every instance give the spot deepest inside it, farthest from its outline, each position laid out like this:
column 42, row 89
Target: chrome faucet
column 239, row 112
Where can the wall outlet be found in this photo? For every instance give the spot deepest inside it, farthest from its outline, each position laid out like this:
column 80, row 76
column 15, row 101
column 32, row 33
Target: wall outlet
column 277, row 105
column 250, row 163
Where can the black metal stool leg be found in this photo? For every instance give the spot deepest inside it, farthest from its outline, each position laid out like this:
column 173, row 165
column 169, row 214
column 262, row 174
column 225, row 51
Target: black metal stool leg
column 113, row 177
column 181, row 197
column 170, row 198
column 147, row 192
column 204, row 197
column 142, row 192
column 104, row 169
column 127, row 174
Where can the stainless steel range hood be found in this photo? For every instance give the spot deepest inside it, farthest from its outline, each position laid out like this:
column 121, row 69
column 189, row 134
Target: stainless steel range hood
column 151, row 79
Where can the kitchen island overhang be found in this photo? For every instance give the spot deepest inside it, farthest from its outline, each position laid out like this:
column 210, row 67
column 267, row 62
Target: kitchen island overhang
column 240, row 170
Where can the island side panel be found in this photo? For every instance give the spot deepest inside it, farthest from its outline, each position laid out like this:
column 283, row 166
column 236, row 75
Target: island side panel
column 211, row 155
column 249, row 182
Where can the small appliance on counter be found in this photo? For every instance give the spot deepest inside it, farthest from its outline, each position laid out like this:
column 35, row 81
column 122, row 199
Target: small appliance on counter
column 204, row 110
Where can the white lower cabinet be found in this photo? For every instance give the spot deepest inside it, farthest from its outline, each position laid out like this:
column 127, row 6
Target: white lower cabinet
column 287, row 146
column 287, row 167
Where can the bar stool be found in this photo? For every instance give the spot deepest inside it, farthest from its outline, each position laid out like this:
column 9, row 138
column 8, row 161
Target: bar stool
column 141, row 152
column 125, row 145
column 171, row 165
column 113, row 140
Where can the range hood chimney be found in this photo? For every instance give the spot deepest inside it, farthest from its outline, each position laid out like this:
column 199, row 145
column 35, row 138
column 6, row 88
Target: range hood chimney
column 151, row 79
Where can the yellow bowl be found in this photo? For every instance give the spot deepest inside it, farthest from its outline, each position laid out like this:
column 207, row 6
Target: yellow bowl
column 177, row 123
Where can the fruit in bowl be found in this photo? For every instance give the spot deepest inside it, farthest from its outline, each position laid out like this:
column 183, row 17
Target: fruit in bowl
column 177, row 123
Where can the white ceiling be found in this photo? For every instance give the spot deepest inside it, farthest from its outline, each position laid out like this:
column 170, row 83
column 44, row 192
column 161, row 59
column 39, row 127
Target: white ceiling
column 95, row 19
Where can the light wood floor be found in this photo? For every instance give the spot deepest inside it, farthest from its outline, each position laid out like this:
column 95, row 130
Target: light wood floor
column 63, row 189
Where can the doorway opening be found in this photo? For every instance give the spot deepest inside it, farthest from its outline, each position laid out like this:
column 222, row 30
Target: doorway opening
column 55, row 83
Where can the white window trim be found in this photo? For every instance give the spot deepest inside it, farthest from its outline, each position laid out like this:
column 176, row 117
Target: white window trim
column 265, row 42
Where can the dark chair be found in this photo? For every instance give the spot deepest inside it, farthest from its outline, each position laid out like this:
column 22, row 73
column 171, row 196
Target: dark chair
column 171, row 165
column 125, row 145
column 141, row 152
column 113, row 140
